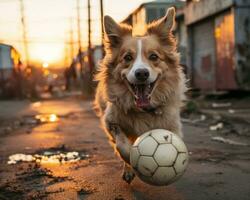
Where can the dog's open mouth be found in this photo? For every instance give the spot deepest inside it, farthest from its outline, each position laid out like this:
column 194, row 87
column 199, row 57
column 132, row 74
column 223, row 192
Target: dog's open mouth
column 142, row 93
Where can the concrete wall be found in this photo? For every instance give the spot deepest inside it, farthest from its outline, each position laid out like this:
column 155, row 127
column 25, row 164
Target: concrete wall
column 205, row 8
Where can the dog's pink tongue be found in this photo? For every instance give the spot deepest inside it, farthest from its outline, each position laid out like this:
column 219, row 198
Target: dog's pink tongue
column 142, row 101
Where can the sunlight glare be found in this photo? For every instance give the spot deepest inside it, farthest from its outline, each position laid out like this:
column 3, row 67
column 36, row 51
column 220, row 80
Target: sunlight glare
column 47, row 53
column 45, row 65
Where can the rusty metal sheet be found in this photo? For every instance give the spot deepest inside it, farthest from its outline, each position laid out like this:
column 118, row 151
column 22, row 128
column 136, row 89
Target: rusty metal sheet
column 225, row 47
column 203, row 55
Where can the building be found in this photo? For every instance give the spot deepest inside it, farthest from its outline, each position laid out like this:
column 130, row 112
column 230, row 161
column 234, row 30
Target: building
column 150, row 11
column 10, row 69
column 218, row 54
column 9, row 59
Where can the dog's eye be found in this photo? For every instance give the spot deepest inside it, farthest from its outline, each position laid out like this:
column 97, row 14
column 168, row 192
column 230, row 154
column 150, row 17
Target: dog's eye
column 128, row 58
column 153, row 57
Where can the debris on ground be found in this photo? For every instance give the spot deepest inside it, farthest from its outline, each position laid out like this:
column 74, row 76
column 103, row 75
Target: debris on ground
column 231, row 111
column 51, row 156
column 32, row 182
column 83, row 192
column 191, row 107
column 216, row 127
column 192, row 121
column 221, row 105
column 228, row 141
column 208, row 155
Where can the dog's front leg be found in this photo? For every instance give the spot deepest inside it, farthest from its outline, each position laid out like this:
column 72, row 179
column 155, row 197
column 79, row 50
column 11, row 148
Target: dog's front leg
column 123, row 146
column 122, row 143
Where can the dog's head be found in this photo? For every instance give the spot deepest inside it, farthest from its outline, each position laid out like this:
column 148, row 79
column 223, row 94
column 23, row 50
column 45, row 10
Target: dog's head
column 141, row 70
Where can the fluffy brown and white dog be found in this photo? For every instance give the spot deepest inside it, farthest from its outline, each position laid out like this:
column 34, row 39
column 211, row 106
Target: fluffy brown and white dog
column 141, row 85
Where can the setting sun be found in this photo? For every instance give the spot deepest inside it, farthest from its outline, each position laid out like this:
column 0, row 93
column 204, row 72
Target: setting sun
column 45, row 65
column 47, row 53
column 52, row 35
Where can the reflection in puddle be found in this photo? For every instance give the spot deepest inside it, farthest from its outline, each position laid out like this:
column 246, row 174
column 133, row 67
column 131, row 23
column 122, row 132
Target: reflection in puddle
column 47, row 118
column 36, row 104
column 48, row 157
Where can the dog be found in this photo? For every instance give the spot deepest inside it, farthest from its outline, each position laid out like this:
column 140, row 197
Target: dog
column 141, row 85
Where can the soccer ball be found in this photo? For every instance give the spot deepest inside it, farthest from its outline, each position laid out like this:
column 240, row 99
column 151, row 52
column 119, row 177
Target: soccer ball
column 159, row 157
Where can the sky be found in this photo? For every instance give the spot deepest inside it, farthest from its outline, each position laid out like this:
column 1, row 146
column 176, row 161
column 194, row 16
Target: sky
column 52, row 23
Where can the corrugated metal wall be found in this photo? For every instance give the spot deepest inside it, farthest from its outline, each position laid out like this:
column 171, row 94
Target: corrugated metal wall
column 225, row 52
column 203, row 55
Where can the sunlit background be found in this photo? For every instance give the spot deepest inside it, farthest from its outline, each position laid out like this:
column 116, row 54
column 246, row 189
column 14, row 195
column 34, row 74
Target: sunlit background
column 51, row 26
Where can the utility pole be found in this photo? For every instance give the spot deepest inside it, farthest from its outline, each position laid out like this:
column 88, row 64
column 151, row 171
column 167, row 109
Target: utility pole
column 71, row 42
column 24, row 30
column 89, row 38
column 101, row 11
column 66, row 54
column 79, row 25
column 79, row 55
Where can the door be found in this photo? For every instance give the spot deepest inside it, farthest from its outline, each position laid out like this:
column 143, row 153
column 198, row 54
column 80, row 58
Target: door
column 203, row 51
column 224, row 35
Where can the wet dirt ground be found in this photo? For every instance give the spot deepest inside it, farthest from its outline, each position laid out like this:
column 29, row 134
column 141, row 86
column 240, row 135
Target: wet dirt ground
column 217, row 170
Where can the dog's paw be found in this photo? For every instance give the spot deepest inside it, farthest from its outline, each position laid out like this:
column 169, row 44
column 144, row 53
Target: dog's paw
column 128, row 176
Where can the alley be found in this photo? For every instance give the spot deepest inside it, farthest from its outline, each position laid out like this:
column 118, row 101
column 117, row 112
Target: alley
column 216, row 170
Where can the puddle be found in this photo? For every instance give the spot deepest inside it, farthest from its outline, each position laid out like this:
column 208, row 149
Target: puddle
column 47, row 118
column 49, row 156
column 39, row 119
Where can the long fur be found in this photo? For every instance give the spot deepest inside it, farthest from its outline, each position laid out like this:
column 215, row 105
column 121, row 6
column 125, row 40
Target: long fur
column 114, row 102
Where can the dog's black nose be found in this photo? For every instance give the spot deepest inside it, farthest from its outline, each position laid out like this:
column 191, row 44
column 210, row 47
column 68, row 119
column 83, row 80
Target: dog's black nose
column 141, row 74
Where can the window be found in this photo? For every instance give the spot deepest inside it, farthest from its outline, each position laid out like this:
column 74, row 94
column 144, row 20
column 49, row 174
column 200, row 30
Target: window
column 151, row 14
column 162, row 12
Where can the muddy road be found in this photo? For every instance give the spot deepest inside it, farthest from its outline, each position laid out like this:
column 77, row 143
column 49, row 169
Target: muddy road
column 218, row 169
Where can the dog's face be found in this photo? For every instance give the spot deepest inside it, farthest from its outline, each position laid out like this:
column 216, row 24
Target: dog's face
column 143, row 63
column 140, row 64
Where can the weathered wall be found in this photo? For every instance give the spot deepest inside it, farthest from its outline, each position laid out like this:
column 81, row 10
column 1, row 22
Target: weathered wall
column 242, row 47
column 242, row 2
column 203, row 58
column 204, row 8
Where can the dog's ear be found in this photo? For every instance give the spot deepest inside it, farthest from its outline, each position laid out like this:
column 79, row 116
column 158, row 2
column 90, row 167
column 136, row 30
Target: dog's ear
column 112, row 31
column 163, row 26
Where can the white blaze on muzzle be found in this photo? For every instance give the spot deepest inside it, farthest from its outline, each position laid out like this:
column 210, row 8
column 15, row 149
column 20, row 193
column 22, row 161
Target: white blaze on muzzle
column 139, row 64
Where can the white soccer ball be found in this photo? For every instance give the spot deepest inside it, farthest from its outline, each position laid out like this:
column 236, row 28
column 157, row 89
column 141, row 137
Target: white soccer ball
column 159, row 157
